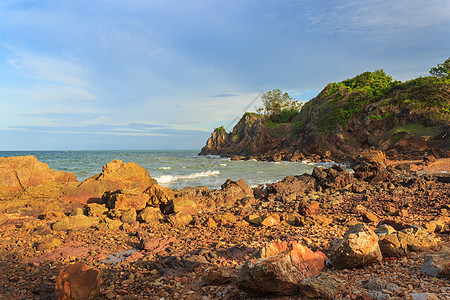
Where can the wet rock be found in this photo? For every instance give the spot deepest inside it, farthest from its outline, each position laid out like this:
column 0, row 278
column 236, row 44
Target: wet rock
column 324, row 286
column 129, row 216
column 74, row 223
column 437, row 264
column 359, row 247
column 78, row 282
column 150, row 214
column 280, row 269
column 123, row 200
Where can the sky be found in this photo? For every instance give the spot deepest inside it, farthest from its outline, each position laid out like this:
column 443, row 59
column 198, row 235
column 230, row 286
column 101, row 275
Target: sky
column 162, row 74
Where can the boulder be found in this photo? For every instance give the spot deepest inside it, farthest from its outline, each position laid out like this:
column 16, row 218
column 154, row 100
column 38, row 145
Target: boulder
column 280, row 269
column 48, row 244
column 128, row 216
column 18, row 173
column 96, row 210
column 158, row 194
column 150, row 214
column 216, row 276
column 421, row 296
column 75, row 223
column 184, row 205
column 114, row 176
column 237, row 189
column 179, row 219
column 78, row 282
column 309, row 208
column 292, row 186
column 123, row 200
column 410, row 239
column 225, row 219
column 324, row 285
column 359, row 247
column 437, row 264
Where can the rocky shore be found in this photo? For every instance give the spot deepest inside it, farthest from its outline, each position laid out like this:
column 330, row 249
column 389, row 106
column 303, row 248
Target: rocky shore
column 379, row 232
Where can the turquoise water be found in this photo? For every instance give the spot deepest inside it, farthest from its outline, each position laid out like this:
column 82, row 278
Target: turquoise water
column 174, row 169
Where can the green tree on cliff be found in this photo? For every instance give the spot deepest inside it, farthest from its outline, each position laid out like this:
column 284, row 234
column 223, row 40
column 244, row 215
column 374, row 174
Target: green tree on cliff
column 279, row 106
column 442, row 70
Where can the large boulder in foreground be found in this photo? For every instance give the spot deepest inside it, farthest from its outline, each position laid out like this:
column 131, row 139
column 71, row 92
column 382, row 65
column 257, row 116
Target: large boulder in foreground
column 78, row 282
column 358, row 248
column 21, row 172
column 280, row 269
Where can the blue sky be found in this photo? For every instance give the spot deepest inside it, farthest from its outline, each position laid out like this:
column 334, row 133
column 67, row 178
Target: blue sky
column 150, row 74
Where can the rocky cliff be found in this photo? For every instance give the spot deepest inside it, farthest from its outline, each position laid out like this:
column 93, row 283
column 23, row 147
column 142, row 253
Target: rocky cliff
column 369, row 111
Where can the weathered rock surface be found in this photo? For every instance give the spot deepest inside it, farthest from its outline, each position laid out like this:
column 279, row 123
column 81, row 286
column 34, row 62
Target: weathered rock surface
column 437, row 264
column 75, row 223
column 410, row 239
column 323, row 285
column 19, row 173
column 280, row 269
column 359, row 247
column 78, row 282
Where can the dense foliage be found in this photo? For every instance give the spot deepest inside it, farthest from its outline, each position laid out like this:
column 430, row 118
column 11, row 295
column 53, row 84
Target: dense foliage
column 279, row 107
column 344, row 99
column 442, row 70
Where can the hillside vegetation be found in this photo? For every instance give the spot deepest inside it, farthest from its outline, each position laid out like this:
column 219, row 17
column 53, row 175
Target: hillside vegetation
column 370, row 110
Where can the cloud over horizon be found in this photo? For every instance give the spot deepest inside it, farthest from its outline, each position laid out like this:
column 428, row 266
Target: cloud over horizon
column 163, row 74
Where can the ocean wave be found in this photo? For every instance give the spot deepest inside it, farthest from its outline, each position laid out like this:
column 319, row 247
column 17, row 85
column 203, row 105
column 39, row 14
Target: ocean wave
column 169, row 178
column 164, row 168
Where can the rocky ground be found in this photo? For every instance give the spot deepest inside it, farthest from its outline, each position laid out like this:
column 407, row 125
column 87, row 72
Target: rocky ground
column 201, row 244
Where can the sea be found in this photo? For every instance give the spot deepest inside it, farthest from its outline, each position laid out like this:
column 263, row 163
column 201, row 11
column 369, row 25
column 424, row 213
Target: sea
column 175, row 169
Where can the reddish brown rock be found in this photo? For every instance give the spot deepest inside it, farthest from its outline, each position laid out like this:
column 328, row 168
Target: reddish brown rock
column 159, row 194
column 150, row 214
column 237, row 189
column 309, row 208
column 78, row 282
column 18, row 173
column 359, row 247
column 280, row 269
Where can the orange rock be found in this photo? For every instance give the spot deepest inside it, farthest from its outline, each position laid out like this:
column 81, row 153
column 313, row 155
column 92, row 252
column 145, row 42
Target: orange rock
column 280, row 270
column 18, row 173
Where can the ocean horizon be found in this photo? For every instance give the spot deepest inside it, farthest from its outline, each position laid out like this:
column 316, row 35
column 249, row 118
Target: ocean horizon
column 175, row 169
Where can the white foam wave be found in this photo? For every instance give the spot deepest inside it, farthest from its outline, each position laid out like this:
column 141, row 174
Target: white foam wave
column 164, row 168
column 223, row 165
column 169, row 178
